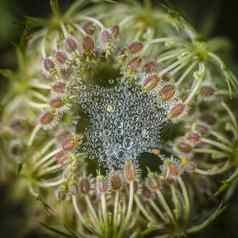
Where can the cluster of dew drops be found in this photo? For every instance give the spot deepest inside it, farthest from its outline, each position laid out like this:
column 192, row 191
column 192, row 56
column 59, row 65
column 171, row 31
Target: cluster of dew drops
column 124, row 121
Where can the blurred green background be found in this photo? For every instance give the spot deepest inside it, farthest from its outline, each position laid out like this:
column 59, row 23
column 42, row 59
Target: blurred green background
column 212, row 18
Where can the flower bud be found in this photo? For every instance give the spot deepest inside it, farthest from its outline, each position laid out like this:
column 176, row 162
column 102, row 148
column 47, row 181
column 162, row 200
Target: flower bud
column 135, row 63
column 184, row 147
column 48, row 64
column 88, row 43
column 194, row 138
column 176, row 111
column 58, row 87
column 135, row 47
column 150, row 67
column 129, row 171
column 60, row 57
column 173, row 170
column 167, row 92
column 69, row 143
column 56, row 102
column 151, row 82
column 71, row 44
column 116, row 182
column 46, row 117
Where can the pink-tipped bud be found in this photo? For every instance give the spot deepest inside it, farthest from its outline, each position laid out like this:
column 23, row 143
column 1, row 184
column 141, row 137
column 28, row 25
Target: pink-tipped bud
column 58, row 87
column 69, row 143
column 88, row 43
column 46, row 118
column 151, row 81
column 48, row 64
column 115, row 31
column 60, row 57
column 135, row 47
column 129, row 171
column 177, row 110
column 194, row 138
column 173, row 170
column 89, row 27
column 71, row 44
column 167, row 92
column 135, row 63
column 116, row 182
column 150, row 67
column 184, row 147
column 56, row 102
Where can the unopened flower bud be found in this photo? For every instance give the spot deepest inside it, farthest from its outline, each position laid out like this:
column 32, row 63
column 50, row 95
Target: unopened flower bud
column 184, row 147
column 177, row 111
column 46, row 118
column 58, row 87
column 88, row 43
column 194, row 138
column 173, row 170
column 69, row 143
column 48, row 64
column 61, row 57
column 135, row 63
column 151, row 82
column 150, row 67
column 71, row 44
column 167, row 92
column 129, row 171
column 116, row 182
column 56, row 102
column 135, row 47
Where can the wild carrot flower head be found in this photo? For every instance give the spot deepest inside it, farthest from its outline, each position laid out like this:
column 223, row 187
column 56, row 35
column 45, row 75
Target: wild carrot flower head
column 108, row 92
